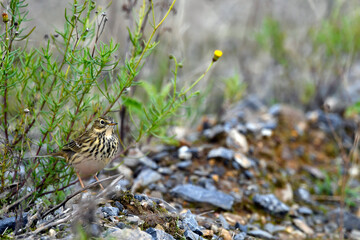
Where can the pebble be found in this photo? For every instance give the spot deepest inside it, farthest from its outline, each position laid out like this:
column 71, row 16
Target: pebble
column 184, row 164
column 189, row 223
column 237, row 140
column 189, row 235
column 194, row 193
column 221, row 153
column 305, row 211
column 158, row 234
column 225, row 234
column 350, row 220
column 9, row 223
column 271, row 204
column 243, row 161
column 223, row 222
column 110, row 211
column 240, row 236
column 303, row 195
column 146, row 177
column 129, row 234
column 271, row 228
column 260, row 234
column 303, row 226
column 184, row 153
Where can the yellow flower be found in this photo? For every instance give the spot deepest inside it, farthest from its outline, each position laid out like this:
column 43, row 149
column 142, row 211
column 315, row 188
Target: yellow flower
column 217, row 55
column 5, row 17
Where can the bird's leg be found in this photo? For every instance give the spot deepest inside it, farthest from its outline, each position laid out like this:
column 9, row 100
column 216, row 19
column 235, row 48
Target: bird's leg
column 81, row 182
column 98, row 181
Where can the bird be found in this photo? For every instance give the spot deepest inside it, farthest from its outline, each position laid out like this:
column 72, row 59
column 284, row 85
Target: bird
column 92, row 150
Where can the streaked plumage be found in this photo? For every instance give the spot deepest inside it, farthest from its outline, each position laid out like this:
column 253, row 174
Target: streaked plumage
column 92, row 150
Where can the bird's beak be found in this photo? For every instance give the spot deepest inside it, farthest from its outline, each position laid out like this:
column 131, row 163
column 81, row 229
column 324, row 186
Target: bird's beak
column 112, row 123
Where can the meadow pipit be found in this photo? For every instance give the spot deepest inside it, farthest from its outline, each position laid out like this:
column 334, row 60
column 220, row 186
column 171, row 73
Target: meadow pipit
column 92, row 150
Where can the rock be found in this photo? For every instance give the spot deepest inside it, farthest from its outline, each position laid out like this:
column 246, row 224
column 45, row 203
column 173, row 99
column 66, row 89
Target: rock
column 355, row 235
column 350, row 220
column 158, row 234
column 129, row 234
column 194, row 193
column 266, row 132
column 285, row 194
column 303, row 195
column 189, row 223
column 134, row 220
column 148, row 162
column 223, row 222
column 125, row 171
column 271, row 204
column 216, row 132
column 146, row 177
column 260, row 234
column 243, row 161
column 9, row 223
column 240, row 236
column 237, row 140
column 184, row 153
column 304, row 211
column 303, row 226
column 271, row 228
column 184, row 164
column 225, row 234
column 110, row 211
column 315, row 172
column 221, row 153
column 189, row 235
column 165, row 171
column 132, row 159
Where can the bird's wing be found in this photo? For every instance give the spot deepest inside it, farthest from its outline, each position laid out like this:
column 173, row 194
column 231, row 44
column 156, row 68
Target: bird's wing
column 76, row 145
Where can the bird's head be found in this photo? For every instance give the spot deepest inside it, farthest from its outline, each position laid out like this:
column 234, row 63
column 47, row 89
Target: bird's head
column 104, row 124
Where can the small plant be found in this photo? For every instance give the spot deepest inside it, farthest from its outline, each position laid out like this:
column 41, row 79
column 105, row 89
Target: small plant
column 52, row 93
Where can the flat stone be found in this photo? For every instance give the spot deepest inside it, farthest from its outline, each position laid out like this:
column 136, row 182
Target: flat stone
column 221, row 153
column 129, row 234
column 189, row 235
column 189, row 223
column 237, row 140
column 260, row 234
column 243, row 161
column 158, row 234
column 194, row 193
column 110, row 211
column 184, row 153
column 9, row 223
column 271, row 204
column 350, row 220
column 147, row 176
column 303, row 226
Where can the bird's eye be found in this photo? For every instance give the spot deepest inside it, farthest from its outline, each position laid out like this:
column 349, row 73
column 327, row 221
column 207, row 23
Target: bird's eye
column 102, row 122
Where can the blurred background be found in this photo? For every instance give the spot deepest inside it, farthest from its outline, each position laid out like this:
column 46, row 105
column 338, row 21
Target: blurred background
column 300, row 52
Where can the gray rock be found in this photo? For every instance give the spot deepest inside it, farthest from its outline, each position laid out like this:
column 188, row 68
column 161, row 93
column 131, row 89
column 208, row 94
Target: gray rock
column 184, row 164
column 147, row 176
column 110, row 211
column 9, row 223
column 223, row 222
column 194, row 193
column 303, row 195
column 221, row 153
column 215, row 132
column 146, row 161
column 189, row 223
column 240, row 236
column 305, row 211
column 350, row 220
column 165, row 170
column 260, row 234
column 271, row 228
column 184, row 153
column 129, row 234
column 271, row 204
column 158, row 234
column 189, row 235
